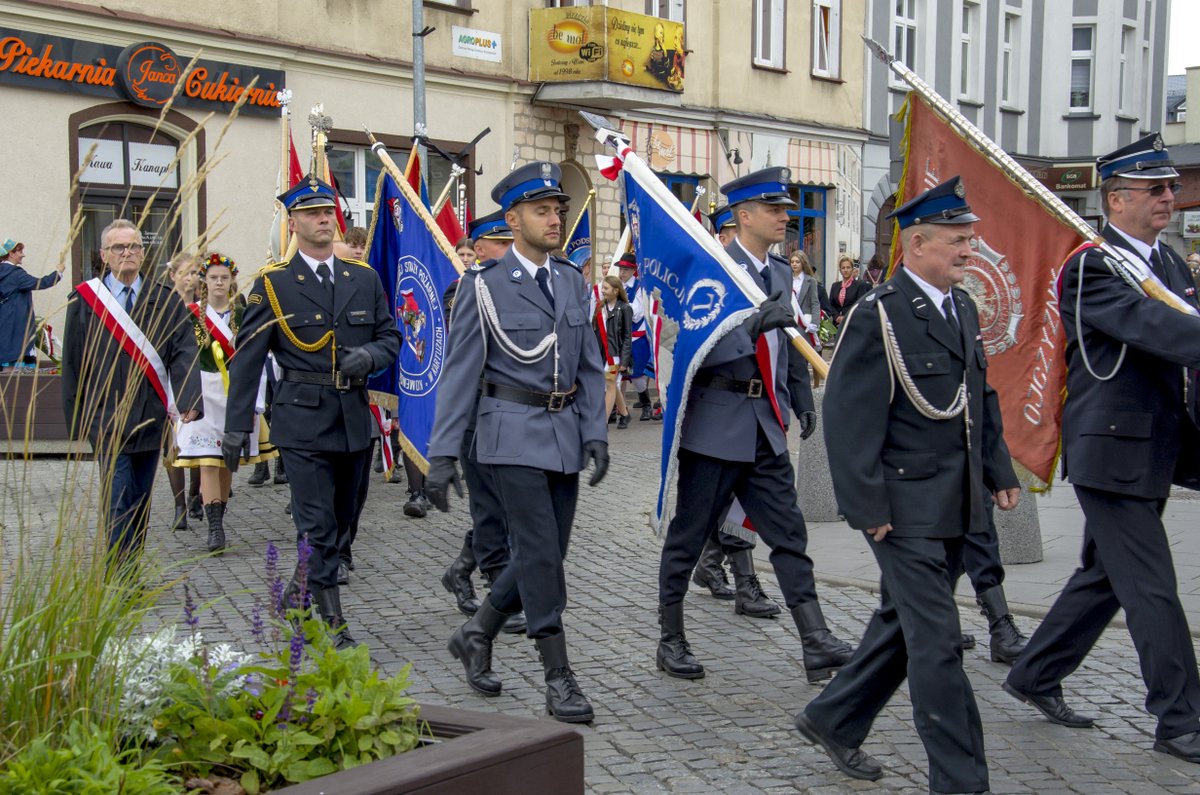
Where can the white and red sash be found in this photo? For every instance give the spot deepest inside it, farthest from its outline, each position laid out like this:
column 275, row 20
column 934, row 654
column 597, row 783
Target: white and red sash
column 385, row 442
column 218, row 329
column 601, row 325
column 131, row 339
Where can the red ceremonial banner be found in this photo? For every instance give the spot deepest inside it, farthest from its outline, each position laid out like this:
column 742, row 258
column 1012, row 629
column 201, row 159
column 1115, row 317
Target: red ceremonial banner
column 1019, row 250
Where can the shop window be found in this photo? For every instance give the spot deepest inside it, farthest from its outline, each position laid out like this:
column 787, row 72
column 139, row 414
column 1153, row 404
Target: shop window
column 682, row 187
column 806, row 225
column 827, row 38
column 769, row 23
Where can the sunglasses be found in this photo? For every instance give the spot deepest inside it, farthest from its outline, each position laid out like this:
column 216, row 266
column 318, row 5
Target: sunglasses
column 1159, row 190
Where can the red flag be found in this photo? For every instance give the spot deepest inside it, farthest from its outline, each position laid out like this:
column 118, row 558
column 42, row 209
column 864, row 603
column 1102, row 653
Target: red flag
column 295, row 173
column 1019, row 251
column 447, row 221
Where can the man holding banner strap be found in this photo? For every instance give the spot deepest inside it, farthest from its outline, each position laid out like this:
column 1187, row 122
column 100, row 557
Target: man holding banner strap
column 734, row 441
column 128, row 350
column 521, row 334
column 1129, row 432
column 327, row 322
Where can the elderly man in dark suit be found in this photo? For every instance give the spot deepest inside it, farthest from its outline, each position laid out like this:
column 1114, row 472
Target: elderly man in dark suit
column 328, row 323
column 734, row 442
column 114, row 392
column 520, row 335
column 1128, row 433
column 920, row 434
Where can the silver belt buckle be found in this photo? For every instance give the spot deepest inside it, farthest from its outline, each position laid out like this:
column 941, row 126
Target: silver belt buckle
column 558, row 401
column 340, row 382
column 755, row 390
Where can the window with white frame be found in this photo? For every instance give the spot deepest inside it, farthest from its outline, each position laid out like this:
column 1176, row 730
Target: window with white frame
column 827, row 38
column 356, row 170
column 1125, row 69
column 1083, row 55
column 1010, row 61
column 567, row 3
column 665, row 9
column 1147, row 22
column 968, row 46
column 904, row 38
column 768, row 30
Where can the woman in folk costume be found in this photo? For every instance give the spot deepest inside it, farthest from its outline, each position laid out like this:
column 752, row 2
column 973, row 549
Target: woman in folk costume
column 216, row 323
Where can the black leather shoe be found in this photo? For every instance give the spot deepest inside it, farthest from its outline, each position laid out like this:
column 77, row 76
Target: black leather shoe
column 471, row 644
column 564, row 700
column 851, row 761
column 748, row 597
column 710, row 574
column 260, row 474
column 622, row 422
column 1053, row 707
column 674, row 656
column 343, row 573
column 415, row 507
column 281, row 478
column 968, row 641
column 1186, row 747
column 646, row 413
column 181, row 517
column 824, row 653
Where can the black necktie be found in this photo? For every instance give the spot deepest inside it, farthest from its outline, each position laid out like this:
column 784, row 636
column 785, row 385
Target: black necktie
column 128, row 299
column 326, row 279
column 948, row 311
column 765, row 273
column 543, row 280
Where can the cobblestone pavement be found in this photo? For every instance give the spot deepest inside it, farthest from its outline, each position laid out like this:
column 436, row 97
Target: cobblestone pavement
column 728, row 733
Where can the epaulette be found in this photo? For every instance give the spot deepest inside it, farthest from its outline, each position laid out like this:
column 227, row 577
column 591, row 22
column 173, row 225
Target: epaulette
column 482, row 266
column 880, row 292
column 564, row 261
column 357, row 262
column 271, row 266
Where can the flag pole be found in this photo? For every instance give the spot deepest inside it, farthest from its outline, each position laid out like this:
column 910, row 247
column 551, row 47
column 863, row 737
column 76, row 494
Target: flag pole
column 700, row 191
column 586, row 203
column 418, row 206
column 1056, row 207
column 285, row 166
column 456, row 171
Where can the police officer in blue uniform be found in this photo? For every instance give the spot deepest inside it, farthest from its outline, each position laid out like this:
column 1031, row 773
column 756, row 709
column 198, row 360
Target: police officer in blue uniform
column 734, row 441
column 1129, row 432
column 920, row 439
column 486, row 542
column 520, row 335
column 328, row 324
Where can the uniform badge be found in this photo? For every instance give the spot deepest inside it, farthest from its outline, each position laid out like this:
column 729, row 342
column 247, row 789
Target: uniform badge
column 254, row 298
column 1158, row 144
column 318, row 316
column 785, row 174
column 299, row 277
column 516, row 274
column 547, row 174
column 959, row 190
column 1190, row 291
column 345, row 273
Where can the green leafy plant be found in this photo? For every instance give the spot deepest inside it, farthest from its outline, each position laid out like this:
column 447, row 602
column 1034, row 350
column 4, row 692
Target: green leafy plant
column 82, row 761
column 289, row 721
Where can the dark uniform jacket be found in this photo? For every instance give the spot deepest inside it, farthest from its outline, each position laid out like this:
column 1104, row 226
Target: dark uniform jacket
column 508, row 432
column 1130, row 434
column 119, row 412
column 724, row 424
column 311, row 416
column 889, row 462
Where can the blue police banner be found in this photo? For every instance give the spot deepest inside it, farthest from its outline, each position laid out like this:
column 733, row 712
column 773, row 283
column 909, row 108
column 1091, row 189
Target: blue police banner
column 579, row 247
column 682, row 263
column 415, row 271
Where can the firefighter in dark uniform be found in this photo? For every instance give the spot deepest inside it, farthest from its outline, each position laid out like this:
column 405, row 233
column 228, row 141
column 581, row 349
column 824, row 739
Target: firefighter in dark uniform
column 485, row 545
column 1129, row 432
column 920, row 441
column 328, row 324
column 734, row 442
column 520, row 334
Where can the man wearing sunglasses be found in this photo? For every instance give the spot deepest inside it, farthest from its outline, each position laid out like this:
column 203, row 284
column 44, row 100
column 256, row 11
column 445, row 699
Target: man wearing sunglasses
column 1129, row 432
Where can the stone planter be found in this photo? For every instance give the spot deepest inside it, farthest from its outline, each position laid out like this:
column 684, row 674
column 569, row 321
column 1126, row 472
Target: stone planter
column 473, row 752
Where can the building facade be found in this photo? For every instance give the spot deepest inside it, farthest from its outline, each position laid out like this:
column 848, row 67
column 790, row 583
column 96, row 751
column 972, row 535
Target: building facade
column 1054, row 83
column 735, row 86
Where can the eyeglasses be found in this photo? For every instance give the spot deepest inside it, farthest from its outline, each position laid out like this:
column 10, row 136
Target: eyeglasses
column 126, row 248
column 1159, row 190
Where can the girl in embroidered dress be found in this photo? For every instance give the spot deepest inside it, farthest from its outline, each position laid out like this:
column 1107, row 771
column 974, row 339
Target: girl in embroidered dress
column 216, row 323
column 184, row 270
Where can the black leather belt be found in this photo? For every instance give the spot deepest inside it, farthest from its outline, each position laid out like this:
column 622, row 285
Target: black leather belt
column 335, row 380
column 551, row 401
column 752, row 388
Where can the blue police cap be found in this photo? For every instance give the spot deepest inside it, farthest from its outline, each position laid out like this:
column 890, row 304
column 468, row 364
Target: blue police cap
column 308, row 194
column 943, row 204
column 721, row 218
column 490, row 227
column 1146, row 158
column 767, row 185
column 530, row 182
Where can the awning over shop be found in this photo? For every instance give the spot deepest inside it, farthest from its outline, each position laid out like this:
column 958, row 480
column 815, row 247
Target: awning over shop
column 812, row 162
column 672, row 149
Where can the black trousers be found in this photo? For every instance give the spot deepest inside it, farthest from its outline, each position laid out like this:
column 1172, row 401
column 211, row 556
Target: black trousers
column 767, row 491
column 539, row 507
column 488, row 536
column 346, row 539
column 981, row 557
column 914, row 635
column 1126, row 564
column 325, row 502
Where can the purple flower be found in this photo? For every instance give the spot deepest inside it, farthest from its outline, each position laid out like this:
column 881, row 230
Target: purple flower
column 256, row 621
column 189, row 608
column 311, row 699
column 275, row 583
column 295, row 654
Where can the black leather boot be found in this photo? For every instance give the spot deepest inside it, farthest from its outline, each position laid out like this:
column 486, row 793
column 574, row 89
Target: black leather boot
column 471, row 644
column 181, row 516
column 823, row 652
column 646, row 413
column 195, row 507
column 260, row 474
column 564, row 700
column 281, row 478
column 215, row 513
column 710, row 574
column 748, row 597
column 515, row 624
column 1007, row 641
column 329, row 603
column 457, row 580
column 674, row 656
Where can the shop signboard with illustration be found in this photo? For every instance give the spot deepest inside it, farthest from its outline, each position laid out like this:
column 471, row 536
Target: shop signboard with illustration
column 1189, row 224
column 593, row 43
